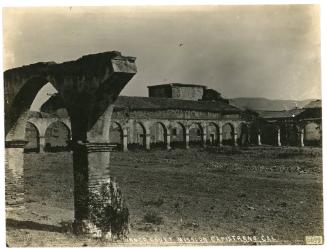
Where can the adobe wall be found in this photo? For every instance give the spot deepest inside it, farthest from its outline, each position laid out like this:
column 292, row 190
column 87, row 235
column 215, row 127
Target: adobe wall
column 187, row 93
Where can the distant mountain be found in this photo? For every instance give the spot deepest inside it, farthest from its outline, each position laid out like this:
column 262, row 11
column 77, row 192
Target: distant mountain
column 267, row 104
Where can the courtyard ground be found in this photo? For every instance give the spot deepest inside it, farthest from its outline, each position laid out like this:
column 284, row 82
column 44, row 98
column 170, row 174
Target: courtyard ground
column 272, row 193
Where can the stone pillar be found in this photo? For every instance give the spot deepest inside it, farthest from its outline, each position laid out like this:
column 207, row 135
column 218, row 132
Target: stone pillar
column 91, row 171
column 259, row 138
column 204, row 138
column 42, row 144
column 14, row 174
column 125, row 140
column 278, row 138
column 220, row 138
column 235, row 138
column 302, row 137
column 187, row 138
column 147, row 141
column 168, row 141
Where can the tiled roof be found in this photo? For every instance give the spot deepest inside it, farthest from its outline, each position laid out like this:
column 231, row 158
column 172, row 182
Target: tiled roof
column 155, row 103
column 280, row 114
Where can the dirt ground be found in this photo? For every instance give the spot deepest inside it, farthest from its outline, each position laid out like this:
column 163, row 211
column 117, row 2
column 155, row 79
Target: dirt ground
column 218, row 195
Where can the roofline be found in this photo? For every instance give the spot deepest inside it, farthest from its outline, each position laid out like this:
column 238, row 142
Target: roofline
column 177, row 84
column 224, row 112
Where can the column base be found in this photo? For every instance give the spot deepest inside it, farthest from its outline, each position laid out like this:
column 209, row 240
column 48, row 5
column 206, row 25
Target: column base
column 87, row 228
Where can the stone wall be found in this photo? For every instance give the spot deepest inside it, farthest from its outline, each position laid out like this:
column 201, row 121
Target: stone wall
column 187, row 93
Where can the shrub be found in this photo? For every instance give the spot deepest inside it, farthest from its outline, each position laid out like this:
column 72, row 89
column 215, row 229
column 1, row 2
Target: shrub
column 108, row 211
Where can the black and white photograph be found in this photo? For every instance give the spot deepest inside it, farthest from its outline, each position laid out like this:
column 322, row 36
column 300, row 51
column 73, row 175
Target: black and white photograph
column 162, row 125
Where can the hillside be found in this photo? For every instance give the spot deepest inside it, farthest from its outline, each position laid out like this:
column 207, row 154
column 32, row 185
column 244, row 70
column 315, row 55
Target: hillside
column 267, row 104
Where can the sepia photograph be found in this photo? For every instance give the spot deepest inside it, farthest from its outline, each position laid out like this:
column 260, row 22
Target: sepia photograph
column 162, row 125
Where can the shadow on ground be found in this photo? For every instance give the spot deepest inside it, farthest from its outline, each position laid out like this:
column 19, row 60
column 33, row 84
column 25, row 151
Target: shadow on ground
column 19, row 224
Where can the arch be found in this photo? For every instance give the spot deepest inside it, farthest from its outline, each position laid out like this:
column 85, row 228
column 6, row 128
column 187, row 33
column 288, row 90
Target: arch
column 212, row 134
column 254, row 131
column 269, row 134
column 17, row 112
column 57, row 137
column 312, row 134
column 196, row 134
column 243, row 134
column 158, row 134
column 32, row 136
column 293, row 136
column 89, row 86
column 228, row 134
column 178, row 134
column 116, row 134
column 139, row 139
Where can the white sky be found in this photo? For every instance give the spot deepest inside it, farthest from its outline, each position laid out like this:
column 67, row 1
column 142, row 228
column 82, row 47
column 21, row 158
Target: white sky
column 241, row 51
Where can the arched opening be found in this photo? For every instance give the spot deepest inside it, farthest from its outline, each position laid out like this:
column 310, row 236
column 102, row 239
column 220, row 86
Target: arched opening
column 294, row 136
column 285, row 132
column 196, row 134
column 243, row 135
column 158, row 133
column 139, row 136
column 116, row 135
column 32, row 136
column 57, row 137
column 228, row 134
column 177, row 135
column 253, row 134
column 312, row 134
column 212, row 134
column 269, row 134
column 29, row 97
column 45, row 180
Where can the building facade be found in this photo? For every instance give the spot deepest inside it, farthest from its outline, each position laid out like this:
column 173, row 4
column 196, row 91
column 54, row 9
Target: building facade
column 177, row 115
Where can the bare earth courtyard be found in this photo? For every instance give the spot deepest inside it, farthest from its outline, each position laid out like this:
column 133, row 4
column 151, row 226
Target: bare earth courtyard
column 268, row 192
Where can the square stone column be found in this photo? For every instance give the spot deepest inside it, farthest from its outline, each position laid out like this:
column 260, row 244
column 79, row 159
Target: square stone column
column 220, row 137
column 91, row 171
column 14, row 172
column 259, row 139
column 204, row 139
column 278, row 138
column 301, row 137
column 187, row 138
column 125, row 142
column 168, row 142
column 42, row 144
column 235, row 138
column 148, row 141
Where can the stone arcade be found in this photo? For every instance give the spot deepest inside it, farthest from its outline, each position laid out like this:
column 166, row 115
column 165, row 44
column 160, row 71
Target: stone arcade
column 180, row 115
column 88, row 87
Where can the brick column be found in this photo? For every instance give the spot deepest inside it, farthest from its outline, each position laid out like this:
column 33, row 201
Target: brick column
column 14, row 174
column 91, row 170
column 187, row 138
column 42, row 144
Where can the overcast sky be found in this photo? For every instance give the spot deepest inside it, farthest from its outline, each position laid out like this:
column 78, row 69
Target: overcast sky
column 241, row 51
